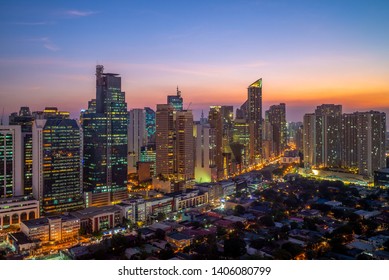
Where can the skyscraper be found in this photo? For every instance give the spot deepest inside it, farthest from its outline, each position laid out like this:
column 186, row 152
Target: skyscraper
column 105, row 142
column 11, row 161
column 165, row 135
column 277, row 120
column 255, row 120
column 241, row 136
column 184, row 150
column 24, row 119
column 137, row 137
column 328, row 118
column 309, row 140
column 215, row 119
column 349, row 141
column 57, row 165
column 371, row 142
column 150, row 124
column 355, row 141
column 176, row 101
column 203, row 164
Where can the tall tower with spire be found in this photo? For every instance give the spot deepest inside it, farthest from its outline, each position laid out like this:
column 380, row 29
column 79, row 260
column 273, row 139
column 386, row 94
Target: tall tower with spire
column 176, row 101
column 105, row 142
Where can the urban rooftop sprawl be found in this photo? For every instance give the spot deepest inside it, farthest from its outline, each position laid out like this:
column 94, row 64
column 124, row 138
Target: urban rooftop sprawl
column 156, row 184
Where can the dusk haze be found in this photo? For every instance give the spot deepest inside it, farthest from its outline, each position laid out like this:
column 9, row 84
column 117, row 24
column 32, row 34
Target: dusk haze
column 307, row 52
column 221, row 131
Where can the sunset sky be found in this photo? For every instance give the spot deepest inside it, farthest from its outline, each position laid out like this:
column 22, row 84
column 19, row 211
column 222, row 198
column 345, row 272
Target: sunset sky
column 307, row 52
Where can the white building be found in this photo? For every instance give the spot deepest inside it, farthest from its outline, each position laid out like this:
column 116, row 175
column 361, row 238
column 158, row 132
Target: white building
column 137, row 137
column 11, row 161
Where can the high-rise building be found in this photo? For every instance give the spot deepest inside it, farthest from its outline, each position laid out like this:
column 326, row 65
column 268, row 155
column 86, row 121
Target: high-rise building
column 354, row 141
column 298, row 137
column 25, row 119
column 349, row 141
column 278, row 134
column 323, row 134
column 309, row 140
column 255, row 120
column 105, row 142
column 148, row 154
column 227, row 113
column 184, row 146
column 242, row 112
column 215, row 119
column 328, row 134
column 174, row 143
column 241, row 136
column 11, row 161
column 176, row 101
column 165, row 135
column 371, row 142
column 137, row 137
column 203, row 165
column 150, row 124
column 57, row 148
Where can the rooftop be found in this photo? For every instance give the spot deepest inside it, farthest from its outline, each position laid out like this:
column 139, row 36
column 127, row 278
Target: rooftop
column 178, row 236
column 20, row 238
column 94, row 211
column 257, row 84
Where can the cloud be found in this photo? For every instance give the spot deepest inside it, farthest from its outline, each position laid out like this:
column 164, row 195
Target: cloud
column 48, row 44
column 78, row 13
column 33, row 23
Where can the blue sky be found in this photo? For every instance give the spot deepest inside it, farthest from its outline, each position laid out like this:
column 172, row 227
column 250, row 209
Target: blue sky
column 307, row 52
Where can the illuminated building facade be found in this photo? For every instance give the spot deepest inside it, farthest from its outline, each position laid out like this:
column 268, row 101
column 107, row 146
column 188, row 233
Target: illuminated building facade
column 174, row 143
column 371, row 142
column 11, row 161
column 328, row 119
column 184, row 146
column 57, row 165
column 203, row 164
column 17, row 209
column 277, row 121
column 148, row 154
column 105, row 143
column 309, row 139
column 215, row 120
column 53, row 228
column 176, row 101
column 24, row 119
column 241, row 136
column 355, row 141
column 254, row 108
column 165, row 135
column 150, row 124
column 137, row 137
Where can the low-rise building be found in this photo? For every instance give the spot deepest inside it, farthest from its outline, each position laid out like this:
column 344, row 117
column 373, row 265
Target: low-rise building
column 21, row 242
column 54, row 228
column 189, row 199
column 94, row 219
column 14, row 210
column 214, row 190
column 179, row 240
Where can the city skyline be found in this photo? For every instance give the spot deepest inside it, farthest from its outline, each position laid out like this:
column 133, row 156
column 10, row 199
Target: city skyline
column 307, row 53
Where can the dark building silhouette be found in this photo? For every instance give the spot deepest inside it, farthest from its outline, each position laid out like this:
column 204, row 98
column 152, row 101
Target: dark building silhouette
column 105, row 142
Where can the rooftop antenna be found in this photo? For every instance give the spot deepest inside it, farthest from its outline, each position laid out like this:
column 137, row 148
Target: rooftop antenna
column 178, row 92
